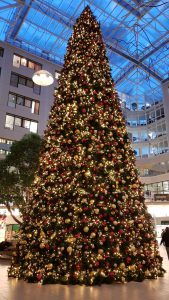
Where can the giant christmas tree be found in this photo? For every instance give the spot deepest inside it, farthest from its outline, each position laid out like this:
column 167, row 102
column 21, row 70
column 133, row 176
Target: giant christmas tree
column 87, row 222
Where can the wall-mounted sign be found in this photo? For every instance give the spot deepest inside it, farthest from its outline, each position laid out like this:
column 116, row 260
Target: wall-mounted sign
column 161, row 197
column 165, row 222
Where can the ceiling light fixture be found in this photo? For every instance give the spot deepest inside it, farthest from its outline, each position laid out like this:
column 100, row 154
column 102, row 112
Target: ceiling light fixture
column 43, row 78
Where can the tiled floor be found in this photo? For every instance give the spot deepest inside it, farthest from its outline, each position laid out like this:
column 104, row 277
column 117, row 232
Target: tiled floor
column 11, row 289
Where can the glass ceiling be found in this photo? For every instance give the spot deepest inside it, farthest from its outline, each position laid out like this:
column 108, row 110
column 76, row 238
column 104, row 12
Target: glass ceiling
column 136, row 34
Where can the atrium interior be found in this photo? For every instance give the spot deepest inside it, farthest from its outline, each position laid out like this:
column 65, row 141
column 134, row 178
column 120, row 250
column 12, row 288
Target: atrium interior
column 33, row 36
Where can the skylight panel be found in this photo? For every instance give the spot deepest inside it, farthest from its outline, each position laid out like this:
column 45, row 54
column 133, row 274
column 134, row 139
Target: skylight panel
column 103, row 4
column 164, row 20
column 119, row 13
column 3, row 29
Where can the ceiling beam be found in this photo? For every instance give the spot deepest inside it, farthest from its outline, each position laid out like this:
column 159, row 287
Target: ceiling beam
column 53, row 13
column 128, row 7
column 5, row 20
column 124, row 73
column 21, row 16
column 154, row 50
column 165, row 80
column 8, row 6
column 138, row 63
column 148, row 6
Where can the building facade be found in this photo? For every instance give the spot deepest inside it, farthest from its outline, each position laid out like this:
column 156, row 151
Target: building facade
column 24, row 106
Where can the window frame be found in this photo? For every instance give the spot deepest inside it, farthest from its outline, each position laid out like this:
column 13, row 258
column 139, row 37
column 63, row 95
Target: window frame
column 1, row 51
column 35, row 87
column 34, row 109
column 37, row 66
column 14, row 75
column 22, row 122
column 13, row 95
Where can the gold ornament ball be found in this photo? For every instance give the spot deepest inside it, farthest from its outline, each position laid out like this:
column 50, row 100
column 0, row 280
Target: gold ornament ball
column 87, row 174
column 92, row 235
column 122, row 266
column 42, row 245
column 140, row 225
column 69, row 249
column 49, row 266
column 115, row 222
column 100, row 251
column 86, row 229
column 133, row 248
column 67, row 221
column 147, row 273
column 113, row 205
column 106, row 228
column 96, row 210
column 29, row 235
column 132, row 267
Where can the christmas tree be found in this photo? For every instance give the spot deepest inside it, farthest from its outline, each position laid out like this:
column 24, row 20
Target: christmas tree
column 87, row 222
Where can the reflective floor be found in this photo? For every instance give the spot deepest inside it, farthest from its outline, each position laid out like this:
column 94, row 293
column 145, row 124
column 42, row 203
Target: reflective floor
column 11, row 289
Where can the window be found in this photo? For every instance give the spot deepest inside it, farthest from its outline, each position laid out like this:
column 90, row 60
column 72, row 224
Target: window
column 4, row 141
column 22, row 80
column 14, row 79
column 9, row 142
column 28, row 103
column 162, row 111
column 20, row 100
column 9, row 122
column 29, row 83
column 33, row 127
column 26, row 123
column 11, row 100
column 19, row 60
column 21, row 122
column 1, row 52
column 57, row 75
column 24, row 62
column 18, row 121
column 36, row 89
column 165, row 186
column 2, row 151
column 14, row 99
column 35, row 107
column 16, row 61
column 31, row 65
column 158, row 114
column 37, row 67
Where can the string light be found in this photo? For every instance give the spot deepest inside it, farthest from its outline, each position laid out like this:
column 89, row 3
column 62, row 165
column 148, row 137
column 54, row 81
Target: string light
column 86, row 222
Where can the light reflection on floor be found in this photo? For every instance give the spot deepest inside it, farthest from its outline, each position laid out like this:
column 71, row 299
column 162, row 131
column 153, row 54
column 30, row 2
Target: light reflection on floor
column 12, row 289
